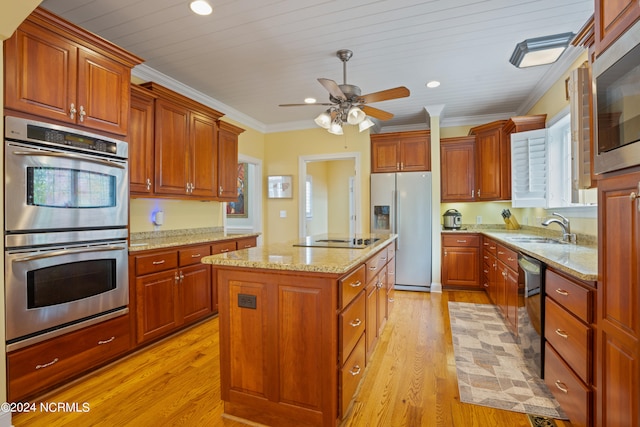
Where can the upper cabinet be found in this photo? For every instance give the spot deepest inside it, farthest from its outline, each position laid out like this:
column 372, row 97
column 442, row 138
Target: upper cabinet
column 612, row 18
column 56, row 70
column 228, row 161
column 401, row 152
column 141, row 175
column 457, row 157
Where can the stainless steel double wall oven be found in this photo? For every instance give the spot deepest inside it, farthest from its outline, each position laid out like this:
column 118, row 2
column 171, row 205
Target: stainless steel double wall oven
column 66, row 214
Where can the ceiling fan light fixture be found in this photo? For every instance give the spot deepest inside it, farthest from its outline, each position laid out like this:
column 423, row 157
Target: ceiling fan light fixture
column 336, row 128
column 540, row 51
column 365, row 124
column 323, row 120
column 355, row 116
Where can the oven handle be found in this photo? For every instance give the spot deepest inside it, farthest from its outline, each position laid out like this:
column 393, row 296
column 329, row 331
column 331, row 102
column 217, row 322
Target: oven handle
column 68, row 252
column 69, row 156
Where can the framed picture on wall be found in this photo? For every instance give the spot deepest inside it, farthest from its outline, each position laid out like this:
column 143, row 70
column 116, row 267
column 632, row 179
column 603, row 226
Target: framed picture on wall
column 280, row 187
column 238, row 208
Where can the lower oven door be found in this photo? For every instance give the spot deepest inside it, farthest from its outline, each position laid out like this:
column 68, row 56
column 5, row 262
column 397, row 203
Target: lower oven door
column 49, row 291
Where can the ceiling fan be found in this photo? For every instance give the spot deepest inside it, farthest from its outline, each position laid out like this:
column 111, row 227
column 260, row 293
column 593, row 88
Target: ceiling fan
column 348, row 105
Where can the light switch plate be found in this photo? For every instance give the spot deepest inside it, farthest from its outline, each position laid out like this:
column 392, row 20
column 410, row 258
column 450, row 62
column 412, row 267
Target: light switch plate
column 283, row 214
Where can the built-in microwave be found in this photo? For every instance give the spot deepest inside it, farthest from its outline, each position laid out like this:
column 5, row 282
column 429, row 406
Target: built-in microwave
column 617, row 104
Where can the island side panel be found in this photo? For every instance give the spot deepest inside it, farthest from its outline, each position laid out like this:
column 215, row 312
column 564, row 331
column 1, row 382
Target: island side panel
column 278, row 361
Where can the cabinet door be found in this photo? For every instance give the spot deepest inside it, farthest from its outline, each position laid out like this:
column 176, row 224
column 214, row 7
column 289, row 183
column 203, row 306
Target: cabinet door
column 618, row 308
column 141, row 143
column 488, row 171
column 228, row 165
column 203, row 156
column 171, row 134
column 382, row 300
column 195, row 289
column 40, row 73
column 157, row 310
column 612, row 18
column 103, row 93
column 371, row 310
column 458, row 171
column 414, row 154
column 460, row 267
column 512, row 303
column 384, row 156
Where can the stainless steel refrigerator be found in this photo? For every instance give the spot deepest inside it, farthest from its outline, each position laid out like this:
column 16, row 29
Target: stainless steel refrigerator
column 401, row 204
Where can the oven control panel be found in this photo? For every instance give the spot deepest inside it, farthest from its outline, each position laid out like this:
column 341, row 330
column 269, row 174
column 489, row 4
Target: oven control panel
column 70, row 139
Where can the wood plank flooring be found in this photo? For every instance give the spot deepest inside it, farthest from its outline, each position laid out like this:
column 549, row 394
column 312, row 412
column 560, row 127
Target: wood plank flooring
column 410, row 382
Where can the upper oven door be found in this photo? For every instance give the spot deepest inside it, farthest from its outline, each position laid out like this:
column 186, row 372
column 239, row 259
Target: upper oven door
column 51, row 189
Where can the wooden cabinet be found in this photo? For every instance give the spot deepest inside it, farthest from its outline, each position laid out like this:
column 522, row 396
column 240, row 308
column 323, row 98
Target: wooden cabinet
column 457, row 157
column 376, row 292
column 141, row 140
column 568, row 330
column 489, row 265
column 460, row 258
column 612, row 19
column 507, row 287
column 58, row 71
column 401, row 152
column 618, row 301
column 185, row 146
column 172, row 289
column 42, row 366
column 228, row 161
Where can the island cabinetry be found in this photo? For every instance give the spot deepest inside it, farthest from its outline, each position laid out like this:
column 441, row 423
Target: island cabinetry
column 618, row 301
column 612, row 19
column 141, row 140
column 569, row 315
column 185, row 146
column 490, row 268
column 391, row 277
column 401, row 152
column 56, row 70
column 460, row 259
column 228, row 161
column 220, row 248
column 173, row 288
column 45, row 365
column 376, row 291
column 457, row 157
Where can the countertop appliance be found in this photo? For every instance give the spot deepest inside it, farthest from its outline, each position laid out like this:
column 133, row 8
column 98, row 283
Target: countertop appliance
column 401, row 204
column 616, row 99
column 66, row 216
column 531, row 315
column 452, row 220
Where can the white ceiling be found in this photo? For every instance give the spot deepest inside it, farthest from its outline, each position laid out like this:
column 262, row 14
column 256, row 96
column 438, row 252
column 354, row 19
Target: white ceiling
column 251, row 55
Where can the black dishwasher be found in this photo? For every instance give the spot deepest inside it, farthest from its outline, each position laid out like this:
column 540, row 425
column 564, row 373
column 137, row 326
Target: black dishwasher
column 531, row 314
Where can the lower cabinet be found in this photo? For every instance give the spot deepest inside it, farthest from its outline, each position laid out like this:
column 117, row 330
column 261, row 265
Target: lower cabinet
column 460, row 260
column 42, row 366
column 507, row 287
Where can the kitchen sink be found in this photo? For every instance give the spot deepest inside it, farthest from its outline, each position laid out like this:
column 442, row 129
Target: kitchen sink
column 534, row 240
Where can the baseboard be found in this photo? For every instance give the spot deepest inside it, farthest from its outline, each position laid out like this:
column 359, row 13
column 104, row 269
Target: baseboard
column 436, row 287
column 411, row 288
column 5, row 419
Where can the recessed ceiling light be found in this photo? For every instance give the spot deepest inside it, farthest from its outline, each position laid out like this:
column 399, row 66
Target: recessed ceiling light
column 310, row 100
column 433, row 84
column 201, row 7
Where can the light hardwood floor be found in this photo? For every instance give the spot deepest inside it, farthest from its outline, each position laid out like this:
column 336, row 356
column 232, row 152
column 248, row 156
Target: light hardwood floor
column 411, row 381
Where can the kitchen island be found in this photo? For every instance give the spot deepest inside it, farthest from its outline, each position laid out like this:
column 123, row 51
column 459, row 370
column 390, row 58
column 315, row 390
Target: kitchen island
column 297, row 325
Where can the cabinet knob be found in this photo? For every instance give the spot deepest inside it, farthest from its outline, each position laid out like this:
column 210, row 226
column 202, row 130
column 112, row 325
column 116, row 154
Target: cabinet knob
column 82, row 114
column 220, row 189
column 72, row 111
column 355, row 370
column 148, row 184
column 355, row 323
column 633, row 196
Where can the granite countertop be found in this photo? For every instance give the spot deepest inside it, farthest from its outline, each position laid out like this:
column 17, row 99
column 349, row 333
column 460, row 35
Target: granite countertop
column 285, row 256
column 580, row 261
column 166, row 239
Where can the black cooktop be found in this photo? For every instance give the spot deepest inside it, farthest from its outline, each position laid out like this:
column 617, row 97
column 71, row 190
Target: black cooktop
column 325, row 242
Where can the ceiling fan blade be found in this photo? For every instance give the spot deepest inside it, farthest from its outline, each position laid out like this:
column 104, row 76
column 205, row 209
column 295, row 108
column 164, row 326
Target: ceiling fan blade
column 385, row 95
column 305, row 104
column 375, row 112
column 333, row 88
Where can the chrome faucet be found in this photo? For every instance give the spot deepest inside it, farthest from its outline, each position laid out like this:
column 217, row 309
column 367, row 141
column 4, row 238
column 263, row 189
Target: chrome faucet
column 567, row 237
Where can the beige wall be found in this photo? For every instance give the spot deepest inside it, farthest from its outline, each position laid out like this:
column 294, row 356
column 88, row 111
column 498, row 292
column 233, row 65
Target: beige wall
column 319, row 221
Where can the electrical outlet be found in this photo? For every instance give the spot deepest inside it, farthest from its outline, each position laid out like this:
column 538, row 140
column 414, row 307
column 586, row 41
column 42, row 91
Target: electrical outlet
column 479, row 219
column 247, row 301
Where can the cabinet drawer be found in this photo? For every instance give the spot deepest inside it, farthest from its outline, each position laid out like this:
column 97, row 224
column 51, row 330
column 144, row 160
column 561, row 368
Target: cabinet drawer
column 352, row 324
column 461, row 240
column 351, row 286
column 51, row 362
column 222, row 247
column 391, row 251
column 574, row 397
column 246, row 242
column 351, row 374
column 490, row 246
column 154, row 263
column 508, row 257
column 569, row 337
column 190, row 256
column 572, row 296
column 375, row 264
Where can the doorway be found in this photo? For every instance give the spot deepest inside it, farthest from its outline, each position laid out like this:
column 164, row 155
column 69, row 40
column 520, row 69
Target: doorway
column 248, row 219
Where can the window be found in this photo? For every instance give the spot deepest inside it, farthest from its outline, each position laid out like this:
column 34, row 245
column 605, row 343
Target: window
column 308, row 191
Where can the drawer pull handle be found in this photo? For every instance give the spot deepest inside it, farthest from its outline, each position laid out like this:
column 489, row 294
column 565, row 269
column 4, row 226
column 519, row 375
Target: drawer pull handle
column 486, row 257
column 196, row 256
column 562, row 386
column 107, row 341
column 355, row 370
column 500, row 253
column 158, row 262
column 510, row 259
column 562, row 292
column 46, row 365
column 562, row 333
column 247, row 246
column 492, row 247
column 224, row 250
column 373, row 268
column 392, row 299
column 356, row 323
column 356, row 284
column 461, row 241
column 486, row 271
column 383, row 258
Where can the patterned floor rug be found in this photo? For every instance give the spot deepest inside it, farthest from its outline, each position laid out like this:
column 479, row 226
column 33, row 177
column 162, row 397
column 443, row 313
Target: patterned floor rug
column 491, row 369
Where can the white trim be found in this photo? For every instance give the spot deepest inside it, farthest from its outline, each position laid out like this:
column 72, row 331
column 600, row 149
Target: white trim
column 5, row 419
column 255, row 204
column 302, row 177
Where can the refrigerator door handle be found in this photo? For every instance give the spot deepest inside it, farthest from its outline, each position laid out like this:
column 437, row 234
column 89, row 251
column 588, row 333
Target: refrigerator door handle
column 396, row 203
